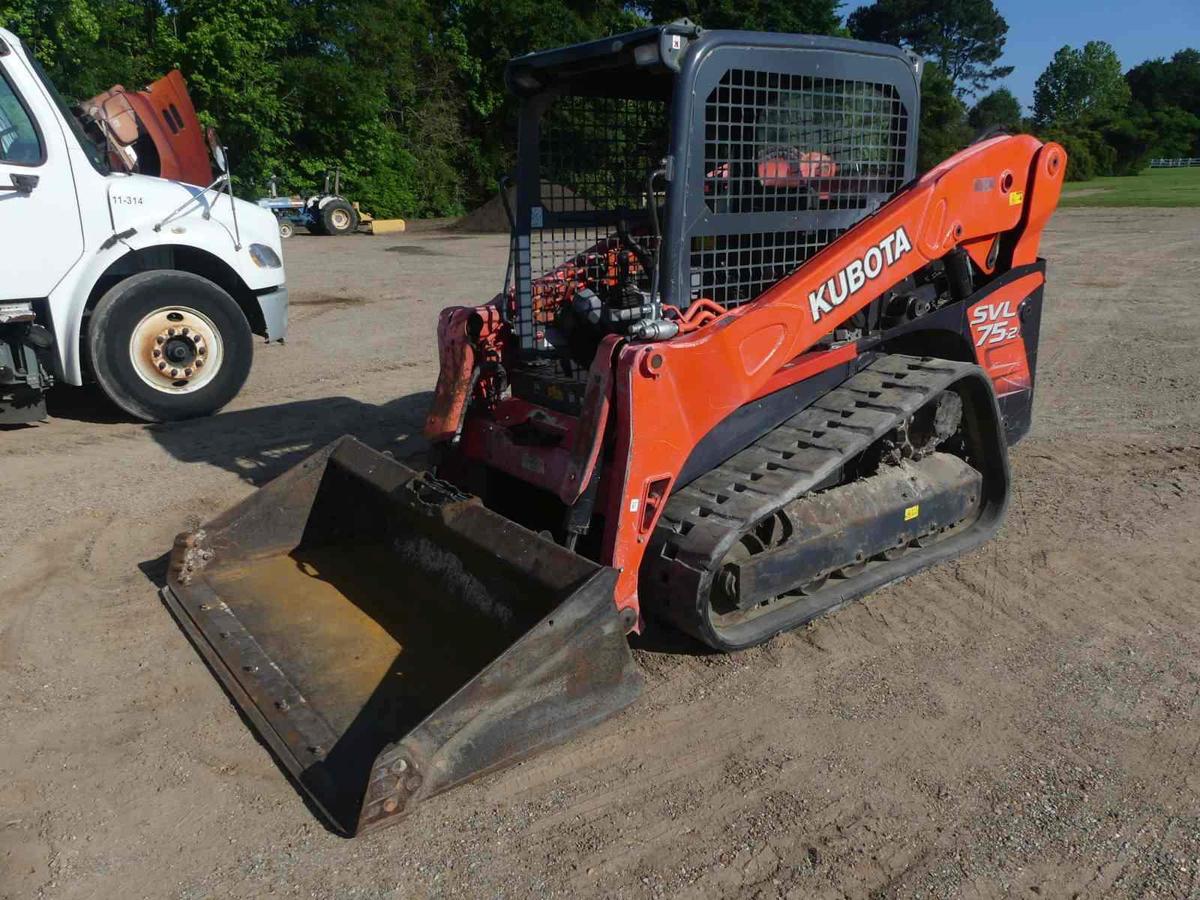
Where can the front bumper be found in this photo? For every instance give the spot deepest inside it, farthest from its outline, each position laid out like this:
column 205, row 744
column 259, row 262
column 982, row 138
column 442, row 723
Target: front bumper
column 274, row 306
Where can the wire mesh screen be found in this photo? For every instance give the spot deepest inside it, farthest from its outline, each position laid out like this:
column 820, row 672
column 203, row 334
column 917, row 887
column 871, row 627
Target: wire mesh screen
column 784, row 143
column 595, row 152
column 594, row 156
column 778, row 143
column 733, row 269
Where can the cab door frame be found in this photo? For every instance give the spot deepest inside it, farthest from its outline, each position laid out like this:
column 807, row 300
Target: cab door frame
column 41, row 228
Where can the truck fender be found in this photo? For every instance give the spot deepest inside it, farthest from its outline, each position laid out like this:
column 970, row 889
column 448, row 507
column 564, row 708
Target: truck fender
column 266, row 310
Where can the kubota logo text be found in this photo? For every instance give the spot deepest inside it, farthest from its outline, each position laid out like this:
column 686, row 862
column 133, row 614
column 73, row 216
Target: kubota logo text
column 850, row 280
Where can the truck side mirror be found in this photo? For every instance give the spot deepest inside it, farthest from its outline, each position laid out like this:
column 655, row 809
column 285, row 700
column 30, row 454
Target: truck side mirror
column 21, row 184
column 218, row 151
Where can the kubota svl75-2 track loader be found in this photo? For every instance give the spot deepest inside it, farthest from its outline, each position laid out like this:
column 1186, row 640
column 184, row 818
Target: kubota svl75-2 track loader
column 744, row 370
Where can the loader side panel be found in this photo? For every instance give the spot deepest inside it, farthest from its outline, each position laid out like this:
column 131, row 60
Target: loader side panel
column 999, row 326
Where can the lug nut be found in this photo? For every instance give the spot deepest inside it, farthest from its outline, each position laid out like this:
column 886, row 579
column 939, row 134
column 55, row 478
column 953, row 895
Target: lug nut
column 183, row 330
column 159, row 339
column 170, row 332
column 187, row 372
column 156, row 353
column 161, row 365
column 199, row 363
column 174, row 372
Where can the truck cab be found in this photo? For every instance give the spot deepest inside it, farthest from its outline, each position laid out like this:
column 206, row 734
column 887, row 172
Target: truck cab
column 150, row 287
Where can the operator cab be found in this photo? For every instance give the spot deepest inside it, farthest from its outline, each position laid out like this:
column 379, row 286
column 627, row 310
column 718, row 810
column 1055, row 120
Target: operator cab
column 669, row 174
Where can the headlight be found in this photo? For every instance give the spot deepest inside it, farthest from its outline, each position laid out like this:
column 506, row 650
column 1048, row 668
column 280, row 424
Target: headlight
column 264, row 257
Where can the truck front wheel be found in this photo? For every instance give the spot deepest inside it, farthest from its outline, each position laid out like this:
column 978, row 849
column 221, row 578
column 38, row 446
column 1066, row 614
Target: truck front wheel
column 169, row 345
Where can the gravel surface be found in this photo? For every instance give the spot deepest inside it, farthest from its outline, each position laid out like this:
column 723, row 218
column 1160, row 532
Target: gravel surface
column 1023, row 721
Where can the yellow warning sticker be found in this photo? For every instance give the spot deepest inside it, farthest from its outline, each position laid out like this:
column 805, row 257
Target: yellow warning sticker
column 1016, row 198
column 912, row 512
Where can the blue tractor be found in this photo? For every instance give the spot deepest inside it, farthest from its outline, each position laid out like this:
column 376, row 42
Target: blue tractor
column 325, row 213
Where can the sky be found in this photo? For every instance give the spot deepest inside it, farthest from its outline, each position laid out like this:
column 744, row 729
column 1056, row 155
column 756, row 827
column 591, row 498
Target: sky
column 1137, row 30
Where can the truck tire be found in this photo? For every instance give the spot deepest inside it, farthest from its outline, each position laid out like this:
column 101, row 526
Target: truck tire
column 167, row 345
column 338, row 217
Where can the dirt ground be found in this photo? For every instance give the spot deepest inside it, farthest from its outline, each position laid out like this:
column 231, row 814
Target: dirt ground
column 1023, row 722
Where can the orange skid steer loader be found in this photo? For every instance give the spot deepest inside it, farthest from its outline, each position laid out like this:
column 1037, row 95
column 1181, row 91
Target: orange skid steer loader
column 745, row 368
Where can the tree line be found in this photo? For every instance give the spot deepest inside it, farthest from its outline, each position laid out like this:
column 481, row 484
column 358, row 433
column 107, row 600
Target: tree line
column 408, row 97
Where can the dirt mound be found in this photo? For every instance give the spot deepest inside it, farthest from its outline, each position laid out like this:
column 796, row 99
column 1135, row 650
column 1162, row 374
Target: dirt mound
column 490, row 218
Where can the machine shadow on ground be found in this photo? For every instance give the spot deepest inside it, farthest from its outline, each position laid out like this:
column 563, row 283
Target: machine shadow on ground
column 83, row 404
column 259, row 444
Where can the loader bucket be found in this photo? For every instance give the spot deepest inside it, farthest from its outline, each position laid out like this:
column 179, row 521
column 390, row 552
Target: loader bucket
column 390, row 637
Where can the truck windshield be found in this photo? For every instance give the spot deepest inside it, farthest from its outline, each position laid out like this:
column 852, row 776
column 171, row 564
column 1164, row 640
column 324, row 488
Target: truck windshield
column 97, row 155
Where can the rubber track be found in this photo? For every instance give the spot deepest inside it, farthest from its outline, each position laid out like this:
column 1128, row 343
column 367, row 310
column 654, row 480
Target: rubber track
column 702, row 521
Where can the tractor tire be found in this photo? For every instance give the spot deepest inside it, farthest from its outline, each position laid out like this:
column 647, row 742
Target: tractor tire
column 167, row 345
column 286, row 229
column 338, row 217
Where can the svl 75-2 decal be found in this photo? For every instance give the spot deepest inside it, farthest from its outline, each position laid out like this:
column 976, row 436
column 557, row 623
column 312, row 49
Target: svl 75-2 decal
column 995, row 324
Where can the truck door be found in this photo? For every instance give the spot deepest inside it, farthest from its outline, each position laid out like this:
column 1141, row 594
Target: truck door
column 41, row 235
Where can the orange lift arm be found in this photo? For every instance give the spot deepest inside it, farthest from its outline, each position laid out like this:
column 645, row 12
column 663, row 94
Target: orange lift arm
column 669, row 395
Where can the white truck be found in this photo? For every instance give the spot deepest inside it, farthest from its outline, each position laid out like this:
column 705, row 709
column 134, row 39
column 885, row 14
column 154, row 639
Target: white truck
column 151, row 287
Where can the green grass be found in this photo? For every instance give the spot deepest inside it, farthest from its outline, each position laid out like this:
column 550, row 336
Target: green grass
column 1153, row 187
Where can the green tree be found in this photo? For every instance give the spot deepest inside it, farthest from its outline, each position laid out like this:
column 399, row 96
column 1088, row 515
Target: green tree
column 229, row 53
column 1175, row 132
column 89, row 45
column 1078, row 83
column 383, row 105
column 481, row 36
column 1083, row 101
column 60, row 33
column 1000, row 109
column 944, row 129
column 1087, row 153
column 1159, row 83
column 965, row 37
column 1168, row 94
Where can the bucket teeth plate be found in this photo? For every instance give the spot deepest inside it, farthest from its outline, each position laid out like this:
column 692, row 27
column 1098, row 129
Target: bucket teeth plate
column 389, row 637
